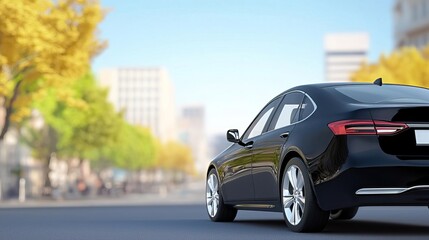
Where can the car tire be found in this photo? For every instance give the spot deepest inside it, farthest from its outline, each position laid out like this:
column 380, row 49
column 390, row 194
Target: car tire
column 216, row 209
column 344, row 214
column 300, row 208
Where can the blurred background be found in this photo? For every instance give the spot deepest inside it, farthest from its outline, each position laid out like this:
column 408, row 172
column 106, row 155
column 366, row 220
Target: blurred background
column 132, row 99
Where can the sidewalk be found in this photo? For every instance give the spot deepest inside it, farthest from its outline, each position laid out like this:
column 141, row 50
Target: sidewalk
column 192, row 193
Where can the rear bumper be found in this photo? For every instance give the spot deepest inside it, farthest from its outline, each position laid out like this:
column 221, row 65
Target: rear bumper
column 376, row 186
column 364, row 175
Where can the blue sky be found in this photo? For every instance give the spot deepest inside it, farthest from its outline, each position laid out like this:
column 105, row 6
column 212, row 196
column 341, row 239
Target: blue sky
column 233, row 56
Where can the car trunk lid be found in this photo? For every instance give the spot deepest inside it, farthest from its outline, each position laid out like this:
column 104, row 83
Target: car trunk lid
column 413, row 142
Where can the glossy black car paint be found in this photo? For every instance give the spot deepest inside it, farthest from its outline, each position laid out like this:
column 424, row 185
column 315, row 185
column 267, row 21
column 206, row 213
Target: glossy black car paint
column 250, row 176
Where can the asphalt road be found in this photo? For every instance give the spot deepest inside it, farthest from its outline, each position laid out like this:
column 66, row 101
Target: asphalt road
column 190, row 222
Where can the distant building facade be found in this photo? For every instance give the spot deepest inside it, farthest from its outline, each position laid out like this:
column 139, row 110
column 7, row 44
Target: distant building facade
column 411, row 23
column 344, row 54
column 147, row 97
column 16, row 162
column 192, row 133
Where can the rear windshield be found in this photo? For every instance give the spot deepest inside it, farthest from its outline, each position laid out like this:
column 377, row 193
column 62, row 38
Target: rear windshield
column 384, row 94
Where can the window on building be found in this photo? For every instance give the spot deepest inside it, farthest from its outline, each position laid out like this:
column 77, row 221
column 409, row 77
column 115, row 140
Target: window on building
column 427, row 37
column 415, row 11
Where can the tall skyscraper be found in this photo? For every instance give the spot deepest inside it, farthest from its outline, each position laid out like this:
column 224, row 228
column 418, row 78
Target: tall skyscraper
column 192, row 133
column 411, row 23
column 344, row 53
column 146, row 95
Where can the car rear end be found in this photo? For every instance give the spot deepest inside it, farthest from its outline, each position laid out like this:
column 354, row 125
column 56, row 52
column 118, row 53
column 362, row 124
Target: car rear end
column 385, row 150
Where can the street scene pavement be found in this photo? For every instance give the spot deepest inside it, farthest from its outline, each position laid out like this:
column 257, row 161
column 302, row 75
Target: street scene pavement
column 182, row 215
column 112, row 111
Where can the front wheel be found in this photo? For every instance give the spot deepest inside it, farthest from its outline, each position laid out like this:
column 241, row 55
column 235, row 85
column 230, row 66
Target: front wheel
column 300, row 208
column 217, row 210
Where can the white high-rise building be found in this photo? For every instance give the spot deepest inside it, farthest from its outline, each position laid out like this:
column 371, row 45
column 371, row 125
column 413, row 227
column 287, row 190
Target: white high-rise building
column 344, row 54
column 411, row 23
column 192, row 133
column 147, row 97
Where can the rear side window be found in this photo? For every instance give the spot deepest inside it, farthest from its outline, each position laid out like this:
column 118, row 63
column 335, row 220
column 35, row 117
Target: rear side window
column 307, row 108
column 384, row 94
column 288, row 110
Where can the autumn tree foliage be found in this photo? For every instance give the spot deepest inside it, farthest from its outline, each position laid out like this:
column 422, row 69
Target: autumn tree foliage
column 407, row 65
column 175, row 156
column 43, row 43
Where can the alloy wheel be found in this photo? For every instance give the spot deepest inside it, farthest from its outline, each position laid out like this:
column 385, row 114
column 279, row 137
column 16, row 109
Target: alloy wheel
column 212, row 195
column 293, row 195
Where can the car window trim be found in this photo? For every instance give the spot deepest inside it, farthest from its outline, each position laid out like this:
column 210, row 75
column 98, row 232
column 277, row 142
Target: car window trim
column 274, row 112
column 299, row 121
column 278, row 109
column 314, row 105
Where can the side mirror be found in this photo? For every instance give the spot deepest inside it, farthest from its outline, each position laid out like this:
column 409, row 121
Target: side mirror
column 233, row 136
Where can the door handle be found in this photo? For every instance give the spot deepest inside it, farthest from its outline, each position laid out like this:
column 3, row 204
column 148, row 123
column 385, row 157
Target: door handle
column 284, row 135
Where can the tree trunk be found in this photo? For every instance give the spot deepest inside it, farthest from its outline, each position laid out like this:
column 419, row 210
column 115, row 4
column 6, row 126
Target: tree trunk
column 81, row 170
column 9, row 109
column 139, row 181
column 47, row 186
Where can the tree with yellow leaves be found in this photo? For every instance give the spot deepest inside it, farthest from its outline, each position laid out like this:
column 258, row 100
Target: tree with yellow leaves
column 43, row 43
column 405, row 66
column 174, row 156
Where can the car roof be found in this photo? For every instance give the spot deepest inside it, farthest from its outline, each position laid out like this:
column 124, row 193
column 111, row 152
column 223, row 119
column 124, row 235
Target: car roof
column 315, row 86
column 318, row 89
column 318, row 86
column 332, row 84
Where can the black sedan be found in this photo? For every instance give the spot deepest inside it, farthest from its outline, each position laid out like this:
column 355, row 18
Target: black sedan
column 321, row 151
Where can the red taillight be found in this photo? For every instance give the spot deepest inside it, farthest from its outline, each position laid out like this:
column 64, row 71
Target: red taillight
column 366, row 127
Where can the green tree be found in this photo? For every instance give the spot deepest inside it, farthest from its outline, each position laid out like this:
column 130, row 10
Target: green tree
column 43, row 142
column 134, row 149
column 76, row 128
column 94, row 127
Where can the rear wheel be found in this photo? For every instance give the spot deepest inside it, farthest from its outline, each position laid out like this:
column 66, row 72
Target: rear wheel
column 300, row 208
column 217, row 210
column 344, row 214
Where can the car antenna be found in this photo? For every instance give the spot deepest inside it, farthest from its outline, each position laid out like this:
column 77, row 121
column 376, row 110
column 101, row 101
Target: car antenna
column 378, row 81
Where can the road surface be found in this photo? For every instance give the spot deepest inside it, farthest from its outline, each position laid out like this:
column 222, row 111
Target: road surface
column 185, row 221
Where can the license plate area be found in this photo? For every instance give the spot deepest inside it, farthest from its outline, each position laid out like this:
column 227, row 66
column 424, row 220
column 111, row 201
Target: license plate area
column 422, row 137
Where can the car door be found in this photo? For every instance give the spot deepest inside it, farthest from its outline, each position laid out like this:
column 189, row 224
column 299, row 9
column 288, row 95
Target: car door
column 267, row 147
column 237, row 170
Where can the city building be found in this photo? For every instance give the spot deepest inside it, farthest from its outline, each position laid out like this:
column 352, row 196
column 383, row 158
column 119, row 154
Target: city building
column 411, row 23
column 192, row 133
column 147, row 97
column 344, row 54
column 16, row 162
